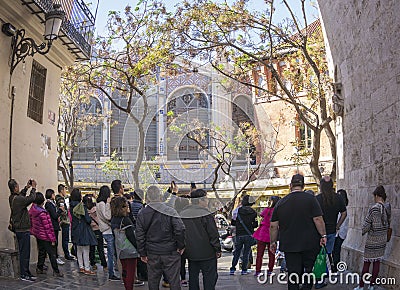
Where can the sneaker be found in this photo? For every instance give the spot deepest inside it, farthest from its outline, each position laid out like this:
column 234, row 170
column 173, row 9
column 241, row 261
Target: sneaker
column 258, row 274
column 94, row 267
column 27, row 279
column 34, row 278
column 184, row 283
column 60, row 262
column 89, row 272
column 114, row 278
column 269, row 273
column 70, row 258
column 45, row 267
column 82, row 270
column 231, row 272
column 166, row 284
column 138, row 283
column 245, row 273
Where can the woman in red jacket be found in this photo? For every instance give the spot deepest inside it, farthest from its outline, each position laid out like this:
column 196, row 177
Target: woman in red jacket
column 263, row 238
column 42, row 229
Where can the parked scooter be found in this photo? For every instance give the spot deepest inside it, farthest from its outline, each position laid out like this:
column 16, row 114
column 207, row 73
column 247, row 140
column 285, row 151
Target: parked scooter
column 226, row 240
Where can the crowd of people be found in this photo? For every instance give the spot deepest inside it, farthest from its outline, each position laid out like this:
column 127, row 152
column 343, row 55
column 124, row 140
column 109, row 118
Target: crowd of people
column 153, row 234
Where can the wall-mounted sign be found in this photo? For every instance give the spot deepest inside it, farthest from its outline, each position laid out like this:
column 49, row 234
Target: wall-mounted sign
column 51, row 117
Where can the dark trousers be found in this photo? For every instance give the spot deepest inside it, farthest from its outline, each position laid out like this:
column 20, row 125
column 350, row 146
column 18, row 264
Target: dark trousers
column 128, row 272
column 169, row 265
column 141, row 270
column 299, row 263
column 65, row 239
column 56, row 234
column 183, row 267
column 336, row 252
column 375, row 271
column 43, row 248
column 245, row 243
column 100, row 250
column 24, row 248
column 210, row 274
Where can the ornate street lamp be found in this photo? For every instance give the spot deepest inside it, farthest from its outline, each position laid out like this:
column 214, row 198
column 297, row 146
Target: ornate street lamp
column 22, row 47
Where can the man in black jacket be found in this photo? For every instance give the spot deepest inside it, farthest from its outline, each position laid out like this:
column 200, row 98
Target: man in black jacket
column 202, row 241
column 51, row 208
column 160, row 236
column 245, row 223
column 20, row 220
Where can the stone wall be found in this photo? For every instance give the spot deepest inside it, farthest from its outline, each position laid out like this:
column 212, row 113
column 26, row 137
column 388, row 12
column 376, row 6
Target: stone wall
column 364, row 40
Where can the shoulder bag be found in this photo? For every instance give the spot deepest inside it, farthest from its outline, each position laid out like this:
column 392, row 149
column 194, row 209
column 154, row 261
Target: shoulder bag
column 11, row 226
column 124, row 247
column 253, row 241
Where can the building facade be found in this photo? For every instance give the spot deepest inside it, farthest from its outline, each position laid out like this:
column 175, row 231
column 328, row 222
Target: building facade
column 29, row 110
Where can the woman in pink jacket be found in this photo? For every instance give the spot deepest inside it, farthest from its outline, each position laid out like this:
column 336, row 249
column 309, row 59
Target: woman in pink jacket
column 42, row 229
column 263, row 238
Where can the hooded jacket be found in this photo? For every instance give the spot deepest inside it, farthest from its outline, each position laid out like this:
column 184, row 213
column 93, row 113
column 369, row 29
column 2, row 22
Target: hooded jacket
column 81, row 231
column 248, row 216
column 41, row 225
column 159, row 230
column 202, row 238
column 19, row 212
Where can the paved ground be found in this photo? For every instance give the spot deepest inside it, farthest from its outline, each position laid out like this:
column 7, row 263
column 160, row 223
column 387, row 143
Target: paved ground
column 74, row 280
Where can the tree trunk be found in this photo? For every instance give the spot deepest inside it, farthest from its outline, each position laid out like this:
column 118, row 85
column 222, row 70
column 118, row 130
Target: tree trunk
column 316, row 150
column 139, row 156
column 332, row 144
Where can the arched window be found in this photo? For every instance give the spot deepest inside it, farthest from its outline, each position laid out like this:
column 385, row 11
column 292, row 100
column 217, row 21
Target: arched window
column 186, row 104
column 90, row 141
column 243, row 112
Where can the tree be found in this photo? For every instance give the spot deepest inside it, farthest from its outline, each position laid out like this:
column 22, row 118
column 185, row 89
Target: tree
column 127, row 61
column 236, row 40
column 73, row 119
column 225, row 145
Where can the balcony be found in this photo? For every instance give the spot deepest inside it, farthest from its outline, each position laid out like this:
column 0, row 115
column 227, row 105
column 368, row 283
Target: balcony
column 78, row 26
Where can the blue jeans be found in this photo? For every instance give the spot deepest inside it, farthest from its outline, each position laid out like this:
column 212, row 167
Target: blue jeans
column 330, row 243
column 24, row 248
column 110, row 253
column 245, row 243
column 65, row 240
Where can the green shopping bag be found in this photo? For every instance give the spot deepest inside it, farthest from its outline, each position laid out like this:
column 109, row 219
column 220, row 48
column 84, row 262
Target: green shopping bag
column 320, row 264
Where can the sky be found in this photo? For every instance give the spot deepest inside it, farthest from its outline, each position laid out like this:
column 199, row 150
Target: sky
column 119, row 5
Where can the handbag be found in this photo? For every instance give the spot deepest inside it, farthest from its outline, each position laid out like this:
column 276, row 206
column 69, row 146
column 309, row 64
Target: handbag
column 389, row 230
column 389, row 234
column 123, row 246
column 11, row 226
column 253, row 240
column 320, row 264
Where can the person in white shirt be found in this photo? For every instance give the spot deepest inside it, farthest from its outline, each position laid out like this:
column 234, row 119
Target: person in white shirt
column 341, row 233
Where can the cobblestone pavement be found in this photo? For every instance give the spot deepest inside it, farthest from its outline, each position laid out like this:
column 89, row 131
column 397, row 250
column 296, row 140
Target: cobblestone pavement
column 73, row 280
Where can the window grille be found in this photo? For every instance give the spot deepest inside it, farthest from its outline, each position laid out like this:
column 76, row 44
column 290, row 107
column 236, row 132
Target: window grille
column 36, row 92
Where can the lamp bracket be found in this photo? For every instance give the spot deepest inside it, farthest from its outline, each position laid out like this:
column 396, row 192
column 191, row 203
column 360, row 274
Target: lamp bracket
column 23, row 47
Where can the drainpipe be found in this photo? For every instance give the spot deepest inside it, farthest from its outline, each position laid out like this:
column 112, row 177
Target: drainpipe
column 10, row 135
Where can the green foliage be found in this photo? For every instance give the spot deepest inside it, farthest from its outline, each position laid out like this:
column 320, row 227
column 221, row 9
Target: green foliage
column 114, row 167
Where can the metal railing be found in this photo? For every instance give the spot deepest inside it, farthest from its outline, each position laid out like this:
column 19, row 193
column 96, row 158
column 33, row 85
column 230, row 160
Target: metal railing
column 78, row 24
